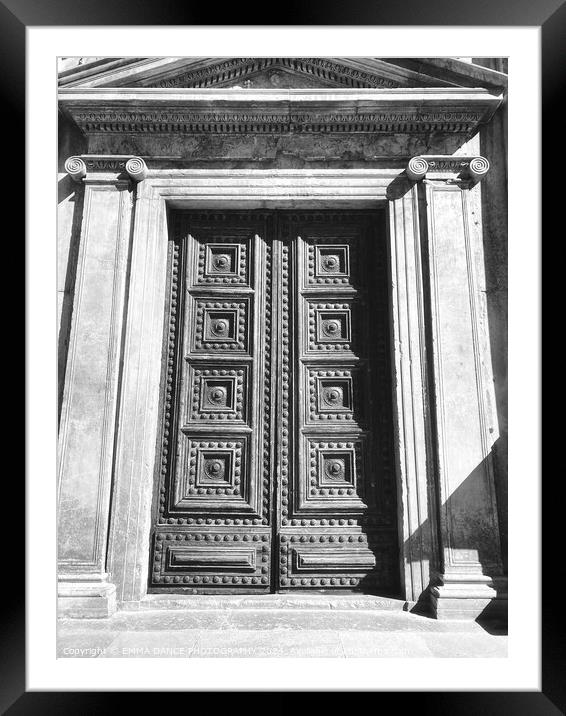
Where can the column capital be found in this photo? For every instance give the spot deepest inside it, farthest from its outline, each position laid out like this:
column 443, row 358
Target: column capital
column 472, row 169
column 417, row 168
column 136, row 169
column 106, row 166
column 75, row 168
column 478, row 168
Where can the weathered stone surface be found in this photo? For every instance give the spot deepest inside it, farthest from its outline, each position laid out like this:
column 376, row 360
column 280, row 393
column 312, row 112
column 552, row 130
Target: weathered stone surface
column 87, row 420
column 270, row 602
column 88, row 410
column 275, row 632
column 283, row 151
column 85, row 597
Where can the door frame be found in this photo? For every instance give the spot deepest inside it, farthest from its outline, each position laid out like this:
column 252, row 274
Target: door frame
column 137, row 433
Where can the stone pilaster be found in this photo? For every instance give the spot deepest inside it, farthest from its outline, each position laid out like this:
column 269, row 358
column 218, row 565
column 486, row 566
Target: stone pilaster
column 412, row 439
column 469, row 582
column 90, row 397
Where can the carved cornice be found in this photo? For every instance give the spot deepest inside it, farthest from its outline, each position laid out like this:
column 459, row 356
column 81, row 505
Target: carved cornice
column 472, row 169
column 78, row 167
column 235, row 111
column 241, row 67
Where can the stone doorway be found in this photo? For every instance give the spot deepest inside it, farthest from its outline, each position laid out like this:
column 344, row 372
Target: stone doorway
column 276, row 471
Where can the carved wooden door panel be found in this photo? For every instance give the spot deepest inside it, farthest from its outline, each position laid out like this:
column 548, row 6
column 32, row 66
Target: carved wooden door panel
column 275, row 468
column 337, row 515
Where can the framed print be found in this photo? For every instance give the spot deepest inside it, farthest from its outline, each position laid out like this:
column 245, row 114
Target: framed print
column 292, row 363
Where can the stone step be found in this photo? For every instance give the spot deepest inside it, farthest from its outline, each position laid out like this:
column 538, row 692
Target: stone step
column 340, row 602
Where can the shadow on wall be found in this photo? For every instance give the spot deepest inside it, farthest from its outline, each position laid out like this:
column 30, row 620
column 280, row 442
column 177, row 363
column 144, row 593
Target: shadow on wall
column 71, row 192
column 493, row 144
column 69, row 219
column 474, row 538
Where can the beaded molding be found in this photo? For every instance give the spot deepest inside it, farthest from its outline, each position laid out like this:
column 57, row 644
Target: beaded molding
column 267, row 386
column 285, row 377
column 171, row 346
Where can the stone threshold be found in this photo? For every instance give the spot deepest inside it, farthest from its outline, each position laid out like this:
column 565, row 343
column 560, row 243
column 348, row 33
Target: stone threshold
column 210, row 602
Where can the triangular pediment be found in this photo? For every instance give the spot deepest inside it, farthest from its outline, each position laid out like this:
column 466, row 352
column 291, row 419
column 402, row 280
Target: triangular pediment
column 280, row 73
column 275, row 73
column 264, row 73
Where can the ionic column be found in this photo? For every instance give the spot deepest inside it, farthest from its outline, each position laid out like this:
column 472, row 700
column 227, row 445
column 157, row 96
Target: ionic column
column 468, row 582
column 90, row 397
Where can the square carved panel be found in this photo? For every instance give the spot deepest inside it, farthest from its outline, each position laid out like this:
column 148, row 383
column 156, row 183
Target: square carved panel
column 214, row 476
column 330, row 262
column 334, row 468
column 333, row 394
column 223, row 262
column 329, row 326
column 218, row 393
column 221, row 325
column 332, row 479
column 215, row 467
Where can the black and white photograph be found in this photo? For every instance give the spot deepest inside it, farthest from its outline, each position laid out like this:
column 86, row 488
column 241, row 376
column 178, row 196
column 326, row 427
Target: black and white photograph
column 282, row 356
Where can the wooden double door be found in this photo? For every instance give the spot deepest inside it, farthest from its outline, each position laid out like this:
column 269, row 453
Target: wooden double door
column 275, row 468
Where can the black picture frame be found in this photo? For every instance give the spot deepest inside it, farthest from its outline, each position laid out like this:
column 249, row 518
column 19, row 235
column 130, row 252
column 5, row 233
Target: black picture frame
column 550, row 15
